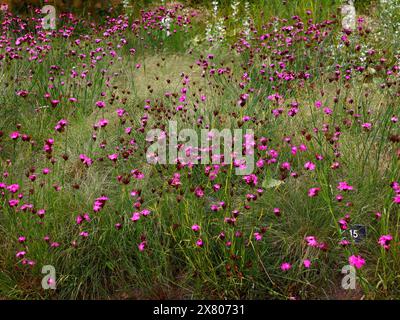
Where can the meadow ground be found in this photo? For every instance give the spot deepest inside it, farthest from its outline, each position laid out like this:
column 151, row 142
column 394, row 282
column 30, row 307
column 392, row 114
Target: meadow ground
column 79, row 193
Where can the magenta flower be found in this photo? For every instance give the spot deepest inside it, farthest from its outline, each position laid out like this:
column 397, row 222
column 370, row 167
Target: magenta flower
column 251, row 179
column 21, row 239
column 54, row 103
column 61, row 125
column 135, row 216
column 286, row 266
column 14, row 135
column 54, row 245
column 199, row 243
column 176, row 180
column 384, row 241
column 343, row 224
column 199, row 192
column 145, row 212
column 313, row 192
column 113, row 157
column 309, row 166
column 312, row 241
column 367, row 126
column 307, row 263
column 258, row 236
column 13, row 202
column 142, row 246
column 20, row 254
column 121, row 112
column 277, row 212
column 343, row 186
column 344, row 243
column 99, row 203
column 86, row 160
column 13, row 188
column 196, row 228
column 285, row 166
column 100, row 104
column 356, row 261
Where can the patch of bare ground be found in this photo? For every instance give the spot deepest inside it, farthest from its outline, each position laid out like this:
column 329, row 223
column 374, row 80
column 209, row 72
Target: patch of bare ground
column 338, row 293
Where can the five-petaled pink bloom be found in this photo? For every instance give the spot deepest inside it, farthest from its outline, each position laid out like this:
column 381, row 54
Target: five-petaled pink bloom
column 196, row 228
column 356, row 261
column 344, row 186
column 286, row 266
column 384, row 241
column 313, row 192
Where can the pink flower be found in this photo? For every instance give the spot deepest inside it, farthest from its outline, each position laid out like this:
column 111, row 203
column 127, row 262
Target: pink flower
column 54, row 103
column 286, row 266
column 176, row 180
column 344, row 243
column 79, row 220
column 99, row 203
column 277, row 212
column 258, row 236
column 20, row 254
column 135, row 216
column 344, row 186
column 196, row 228
column 137, row 174
column 313, row 192
column 384, row 241
column 199, row 192
column 13, row 188
column 145, row 212
column 309, row 166
column 13, row 202
column 367, row 126
column 61, row 125
column 216, row 187
column 343, row 224
column 312, row 241
column 251, row 179
column 86, row 160
column 285, row 166
column 142, row 246
column 113, row 157
column 101, row 123
column 356, row 261
column 100, row 104
column 199, row 243
column 51, row 282
column 120, row 112
column 14, row 135
column 118, row 226
column 307, row 263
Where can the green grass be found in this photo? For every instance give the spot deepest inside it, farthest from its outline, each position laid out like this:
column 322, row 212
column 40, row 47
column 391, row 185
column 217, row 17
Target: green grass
column 108, row 264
